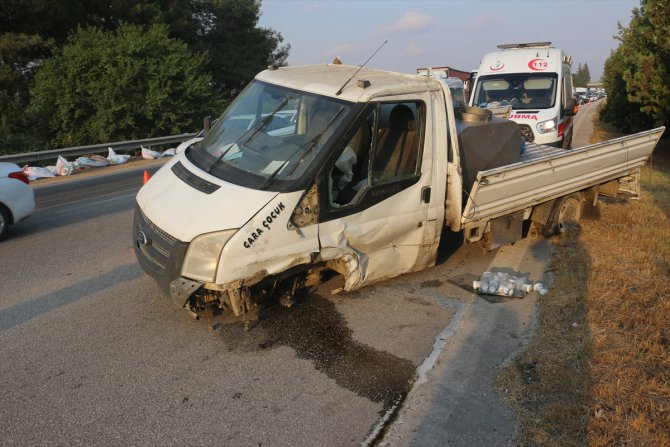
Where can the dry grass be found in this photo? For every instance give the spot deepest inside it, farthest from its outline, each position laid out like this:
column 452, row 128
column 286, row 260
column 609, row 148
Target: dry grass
column 598, row 369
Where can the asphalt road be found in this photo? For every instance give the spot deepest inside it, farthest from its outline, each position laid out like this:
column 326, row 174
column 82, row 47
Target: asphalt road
column 93, row 354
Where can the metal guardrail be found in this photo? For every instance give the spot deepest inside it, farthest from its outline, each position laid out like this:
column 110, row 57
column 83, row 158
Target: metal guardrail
column 121, row 146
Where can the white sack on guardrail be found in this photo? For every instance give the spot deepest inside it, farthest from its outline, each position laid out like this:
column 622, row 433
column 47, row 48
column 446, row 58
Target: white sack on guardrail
column 148, row 154
column 65, row 167
column 94, row 161
column 117, row 159
column 35, row 172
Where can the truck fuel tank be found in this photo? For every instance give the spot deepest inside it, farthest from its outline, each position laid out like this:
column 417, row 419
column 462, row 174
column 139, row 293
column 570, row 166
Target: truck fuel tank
column 485, row 142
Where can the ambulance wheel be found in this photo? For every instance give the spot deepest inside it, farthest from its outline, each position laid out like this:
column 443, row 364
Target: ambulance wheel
column 567, row 142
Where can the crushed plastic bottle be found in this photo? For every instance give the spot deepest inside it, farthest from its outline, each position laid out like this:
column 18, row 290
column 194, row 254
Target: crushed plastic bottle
column 503, row 284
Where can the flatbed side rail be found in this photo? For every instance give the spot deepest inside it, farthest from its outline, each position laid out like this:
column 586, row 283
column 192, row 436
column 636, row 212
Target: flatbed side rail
column 503, row 190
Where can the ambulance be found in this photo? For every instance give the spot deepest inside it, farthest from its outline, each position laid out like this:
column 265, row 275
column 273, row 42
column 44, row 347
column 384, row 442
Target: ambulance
column 535, row 79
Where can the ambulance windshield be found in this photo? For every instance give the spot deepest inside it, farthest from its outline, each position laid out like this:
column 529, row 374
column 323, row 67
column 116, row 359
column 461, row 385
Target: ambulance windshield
column 523, row 91
column 268, row 135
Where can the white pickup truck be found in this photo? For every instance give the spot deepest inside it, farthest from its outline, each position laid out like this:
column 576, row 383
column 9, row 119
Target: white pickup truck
column 353, row 171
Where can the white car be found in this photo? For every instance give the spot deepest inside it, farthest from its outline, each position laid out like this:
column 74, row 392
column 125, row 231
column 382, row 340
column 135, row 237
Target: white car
column 17, row 198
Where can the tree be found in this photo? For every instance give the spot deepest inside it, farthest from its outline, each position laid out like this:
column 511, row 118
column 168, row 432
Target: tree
column 17, row 51
column 582, row 77
column 118, row 85
column 226, row 30
column 638, row 72
column 586, row 74
column 239, row 49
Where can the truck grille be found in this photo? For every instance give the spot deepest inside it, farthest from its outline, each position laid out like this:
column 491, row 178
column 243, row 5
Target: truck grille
column 527, row 133
column 159, row 254
column 157, row 243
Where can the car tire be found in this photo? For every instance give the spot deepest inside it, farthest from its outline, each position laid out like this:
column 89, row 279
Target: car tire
column 4, row 222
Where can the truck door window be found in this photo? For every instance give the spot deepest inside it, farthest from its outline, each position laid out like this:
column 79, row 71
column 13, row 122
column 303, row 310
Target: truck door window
column 378, row 156
column 396, row 153
column 349, row 175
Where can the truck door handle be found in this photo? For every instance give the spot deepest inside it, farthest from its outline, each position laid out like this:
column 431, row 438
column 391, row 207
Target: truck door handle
column 425, row 194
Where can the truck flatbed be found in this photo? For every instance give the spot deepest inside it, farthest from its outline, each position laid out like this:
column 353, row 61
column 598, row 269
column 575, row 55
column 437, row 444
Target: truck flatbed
column 546, row 173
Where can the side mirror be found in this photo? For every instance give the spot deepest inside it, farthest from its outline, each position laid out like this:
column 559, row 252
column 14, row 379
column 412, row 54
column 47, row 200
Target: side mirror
column 571, row 108
column 207, row 123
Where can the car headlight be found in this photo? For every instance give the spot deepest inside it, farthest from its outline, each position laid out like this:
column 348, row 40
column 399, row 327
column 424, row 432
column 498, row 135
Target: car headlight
column 203, row 254
column 547, row 126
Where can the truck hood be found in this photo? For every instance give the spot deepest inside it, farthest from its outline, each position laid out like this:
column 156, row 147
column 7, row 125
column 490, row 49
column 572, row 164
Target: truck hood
column 185, row 212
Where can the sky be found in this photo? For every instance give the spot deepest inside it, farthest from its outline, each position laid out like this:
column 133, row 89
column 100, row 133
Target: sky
column 454, row 33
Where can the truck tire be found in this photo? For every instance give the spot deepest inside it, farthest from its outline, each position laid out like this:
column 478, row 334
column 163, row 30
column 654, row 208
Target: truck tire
column 567, row 209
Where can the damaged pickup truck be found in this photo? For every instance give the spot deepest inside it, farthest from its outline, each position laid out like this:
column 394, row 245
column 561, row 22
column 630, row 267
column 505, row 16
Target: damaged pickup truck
column 355, row 171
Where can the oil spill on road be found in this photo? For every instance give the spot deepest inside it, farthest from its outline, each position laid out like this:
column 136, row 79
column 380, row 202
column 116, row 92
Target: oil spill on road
column 319, row 333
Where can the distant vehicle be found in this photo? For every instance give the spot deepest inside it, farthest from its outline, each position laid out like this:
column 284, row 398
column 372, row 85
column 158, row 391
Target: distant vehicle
column 456, row 85
column 17, row 198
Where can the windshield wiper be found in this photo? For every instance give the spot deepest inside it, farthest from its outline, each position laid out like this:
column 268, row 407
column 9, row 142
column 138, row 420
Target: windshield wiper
column 312, row 144
column 256, row 128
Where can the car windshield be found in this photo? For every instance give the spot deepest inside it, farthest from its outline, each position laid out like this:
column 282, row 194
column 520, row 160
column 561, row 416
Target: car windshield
column 523, row 91
column 268, row 134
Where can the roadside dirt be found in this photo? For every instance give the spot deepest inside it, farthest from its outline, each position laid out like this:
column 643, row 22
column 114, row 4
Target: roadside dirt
column 596, row 371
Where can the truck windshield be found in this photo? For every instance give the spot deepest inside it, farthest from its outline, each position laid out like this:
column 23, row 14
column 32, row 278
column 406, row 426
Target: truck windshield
column 268, row 135
column 523, row 91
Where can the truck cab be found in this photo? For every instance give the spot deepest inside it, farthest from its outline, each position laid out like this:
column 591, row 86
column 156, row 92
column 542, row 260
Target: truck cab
column 535, row 80
column 296, row 177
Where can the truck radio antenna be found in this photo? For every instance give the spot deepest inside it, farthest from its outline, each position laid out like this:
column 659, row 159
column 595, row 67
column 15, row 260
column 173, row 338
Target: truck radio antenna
column 360, row 68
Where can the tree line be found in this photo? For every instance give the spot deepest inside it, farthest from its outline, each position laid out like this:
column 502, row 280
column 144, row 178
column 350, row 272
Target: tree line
column 582, row 77
column 76, row 73
column 637, row 73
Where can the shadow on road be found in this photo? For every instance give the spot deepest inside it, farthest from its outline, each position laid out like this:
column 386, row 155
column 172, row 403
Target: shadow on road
column 26, row 311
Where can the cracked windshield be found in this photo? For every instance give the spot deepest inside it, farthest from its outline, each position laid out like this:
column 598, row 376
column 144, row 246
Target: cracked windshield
column 269, row 132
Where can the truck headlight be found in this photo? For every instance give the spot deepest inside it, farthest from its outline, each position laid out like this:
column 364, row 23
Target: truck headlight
column 203, row 254
column 547, row 126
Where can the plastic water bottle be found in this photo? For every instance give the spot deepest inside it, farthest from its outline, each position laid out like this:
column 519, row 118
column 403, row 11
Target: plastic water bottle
column 539, row 288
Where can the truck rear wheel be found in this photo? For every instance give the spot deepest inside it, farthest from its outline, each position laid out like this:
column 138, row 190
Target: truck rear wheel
column 567, row 209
